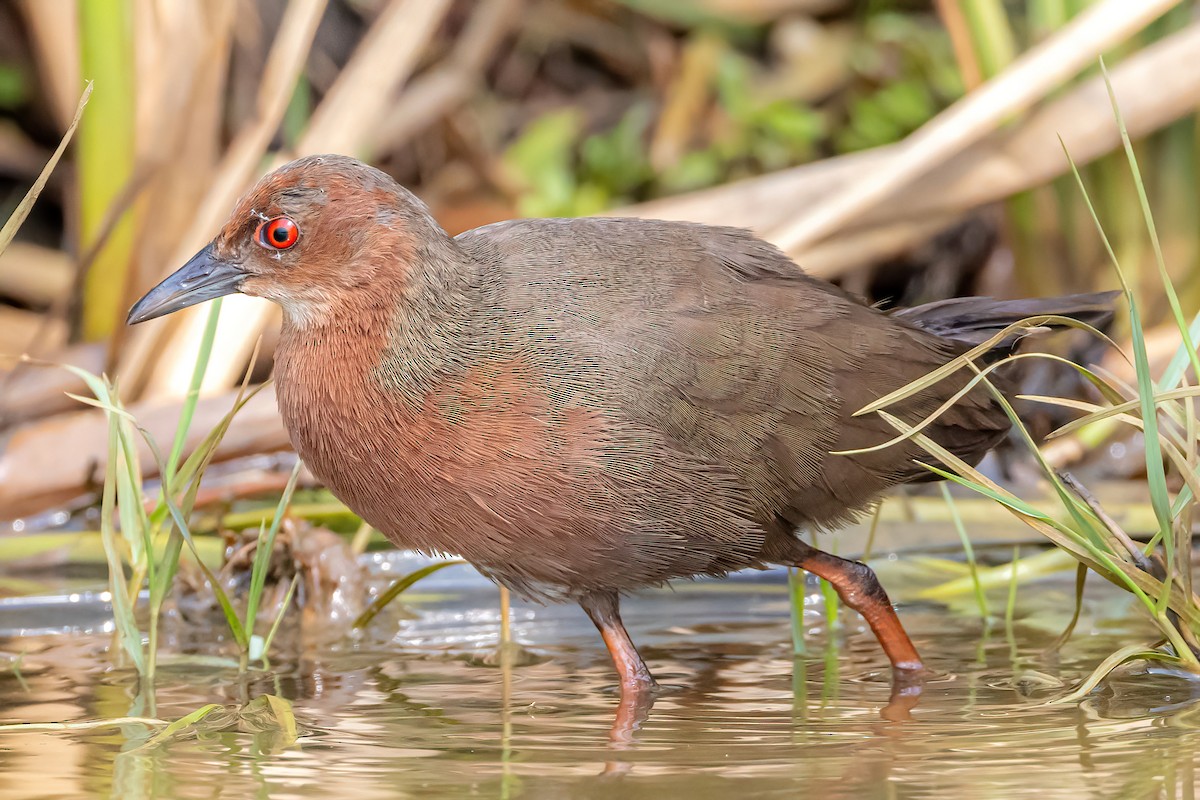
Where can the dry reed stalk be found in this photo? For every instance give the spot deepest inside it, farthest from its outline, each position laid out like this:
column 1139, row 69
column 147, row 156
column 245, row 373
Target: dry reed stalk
column 34, row 275
column 833, row 257
column 1156, row 86
column 686, row 99
column 955, row 21
column 763, row 202
column 367, row 87
column 182, row 70
column 443, row 88
column 1031, row 77
column 54, row 31
column 182, row 76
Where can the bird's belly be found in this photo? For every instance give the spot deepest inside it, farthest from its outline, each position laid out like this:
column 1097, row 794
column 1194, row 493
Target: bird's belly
column 436, row 496
column 516, row 489
column 550, row 498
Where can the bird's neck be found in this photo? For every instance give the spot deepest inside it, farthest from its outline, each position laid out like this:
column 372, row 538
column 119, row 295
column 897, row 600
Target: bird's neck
column 406, row 333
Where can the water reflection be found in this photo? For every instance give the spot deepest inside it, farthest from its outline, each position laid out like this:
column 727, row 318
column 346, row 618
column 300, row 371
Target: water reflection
column 424, row 716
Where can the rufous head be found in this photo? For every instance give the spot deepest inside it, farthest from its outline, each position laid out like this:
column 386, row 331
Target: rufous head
column 317, row 233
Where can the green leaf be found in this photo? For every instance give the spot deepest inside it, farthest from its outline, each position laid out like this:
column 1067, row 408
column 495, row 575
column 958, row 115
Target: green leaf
column 123, row 617
column 399, row 586
column 180, row 725
column 262, row 552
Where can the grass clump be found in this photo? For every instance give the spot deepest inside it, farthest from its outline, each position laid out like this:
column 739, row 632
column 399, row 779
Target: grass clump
column 132, row 535
column 1158, row 572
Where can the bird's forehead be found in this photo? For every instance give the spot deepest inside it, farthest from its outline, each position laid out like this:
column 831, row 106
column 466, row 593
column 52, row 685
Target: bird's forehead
column 280, row 192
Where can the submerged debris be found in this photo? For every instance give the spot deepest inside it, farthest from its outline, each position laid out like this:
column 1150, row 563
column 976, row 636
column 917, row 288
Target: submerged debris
column 332, row 587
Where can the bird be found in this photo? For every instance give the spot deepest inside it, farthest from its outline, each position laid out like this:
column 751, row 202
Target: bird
column 582, row 408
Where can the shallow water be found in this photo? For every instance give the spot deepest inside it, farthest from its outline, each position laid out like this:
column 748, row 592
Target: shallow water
column 424, row 715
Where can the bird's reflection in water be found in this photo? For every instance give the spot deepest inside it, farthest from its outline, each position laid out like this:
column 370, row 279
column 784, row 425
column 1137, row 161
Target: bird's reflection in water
column 633, row 710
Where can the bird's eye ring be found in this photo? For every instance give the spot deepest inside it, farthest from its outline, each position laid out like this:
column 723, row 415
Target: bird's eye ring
column 277, row 234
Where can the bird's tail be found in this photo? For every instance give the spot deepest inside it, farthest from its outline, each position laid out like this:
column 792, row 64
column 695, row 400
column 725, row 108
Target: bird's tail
column 974, row 320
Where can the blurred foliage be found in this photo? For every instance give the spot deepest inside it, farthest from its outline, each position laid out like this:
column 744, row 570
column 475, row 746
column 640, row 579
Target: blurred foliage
column 753, row 134
column 906, row 74
column 14, row 86
column 568, row 109
column 900, row 73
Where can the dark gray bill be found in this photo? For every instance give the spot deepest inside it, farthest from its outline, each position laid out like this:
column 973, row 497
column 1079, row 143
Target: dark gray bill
column 205, row 277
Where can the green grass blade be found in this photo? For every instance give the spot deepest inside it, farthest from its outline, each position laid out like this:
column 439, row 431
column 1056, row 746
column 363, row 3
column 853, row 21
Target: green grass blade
column 1047, row 562
column 980, row 596
column 179, row 725
column 991, row 35
column 193, row 395
column 130, row 498
column 1010, row 605
column 123, row 614
column 398, row 587
column 968, row 358
column 975, row 380
column 1182, row 357
column 1156, row 477
column 231, row 616
column 1101, row 561
column 1106, row 666
column 1081, row 573
column 796, row 596
column 1151, row 228
column 262, row 553
column 1096, row 413
column 283, row 607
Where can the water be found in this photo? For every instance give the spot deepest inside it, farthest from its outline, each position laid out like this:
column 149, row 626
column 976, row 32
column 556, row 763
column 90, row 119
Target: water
column 424, row 715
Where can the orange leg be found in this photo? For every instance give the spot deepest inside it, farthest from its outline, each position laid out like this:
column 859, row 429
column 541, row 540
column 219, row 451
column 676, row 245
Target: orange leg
column 637, row 684
column 858, row 587
column 603, row 608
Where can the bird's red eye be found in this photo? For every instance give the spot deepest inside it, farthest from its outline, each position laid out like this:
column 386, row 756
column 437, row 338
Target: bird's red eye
column 278, row 234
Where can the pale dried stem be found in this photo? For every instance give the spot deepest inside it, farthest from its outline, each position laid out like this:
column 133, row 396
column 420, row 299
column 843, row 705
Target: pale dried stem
column 366, row 88
column 1139, row 558
column 1034, row 75
column 442, row 89
column 54, row 31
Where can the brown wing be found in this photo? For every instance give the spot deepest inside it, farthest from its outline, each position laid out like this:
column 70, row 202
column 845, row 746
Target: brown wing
column 710, row 345
column 770, row 369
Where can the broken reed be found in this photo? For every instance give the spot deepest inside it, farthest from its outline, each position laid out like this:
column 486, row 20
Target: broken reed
column 1157, row 573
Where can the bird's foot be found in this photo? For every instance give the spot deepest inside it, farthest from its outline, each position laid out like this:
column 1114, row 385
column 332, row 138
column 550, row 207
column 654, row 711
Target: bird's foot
column 908, row 682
